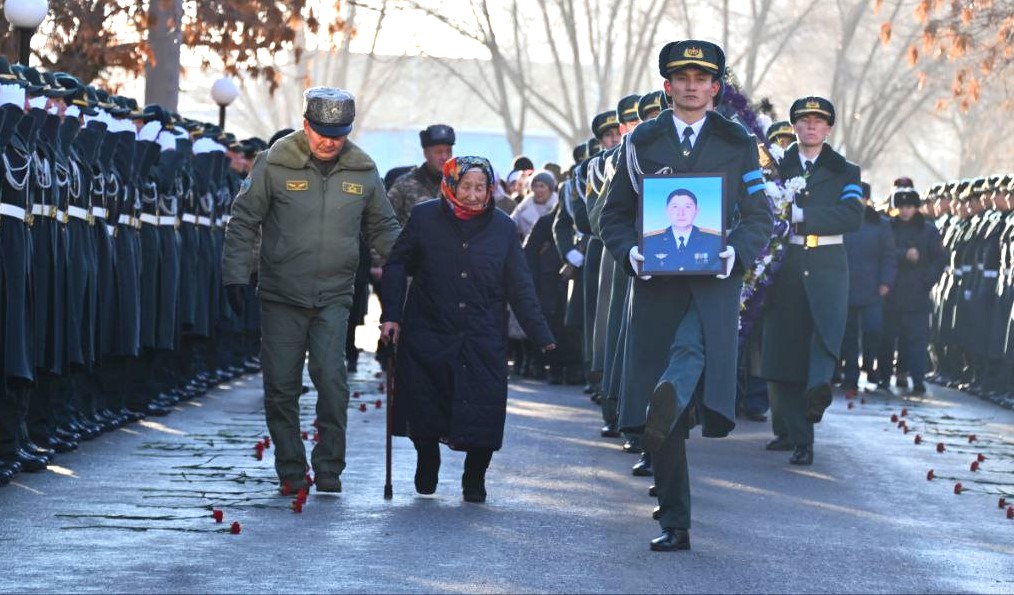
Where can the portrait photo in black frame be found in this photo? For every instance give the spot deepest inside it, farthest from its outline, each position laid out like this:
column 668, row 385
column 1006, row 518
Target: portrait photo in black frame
column 681, row 224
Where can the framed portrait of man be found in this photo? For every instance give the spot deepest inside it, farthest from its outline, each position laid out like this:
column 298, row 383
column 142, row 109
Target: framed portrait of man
column 681, row 224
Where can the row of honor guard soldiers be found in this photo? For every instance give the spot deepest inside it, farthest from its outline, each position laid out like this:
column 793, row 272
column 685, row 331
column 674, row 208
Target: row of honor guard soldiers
column 597, row 305
column 971, row 330
column 111, row 226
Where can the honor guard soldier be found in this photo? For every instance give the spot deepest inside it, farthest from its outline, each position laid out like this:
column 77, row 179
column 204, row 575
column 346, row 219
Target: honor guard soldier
column 682, row 333
column 807, row 305
column 310, row 197
column 782, row 134
column 422, row 182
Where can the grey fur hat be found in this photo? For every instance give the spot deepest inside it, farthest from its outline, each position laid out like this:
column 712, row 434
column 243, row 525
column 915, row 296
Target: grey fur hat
column 329, row 110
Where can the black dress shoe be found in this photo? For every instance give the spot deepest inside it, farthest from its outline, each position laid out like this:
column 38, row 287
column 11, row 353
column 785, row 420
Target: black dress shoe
column 61, row 446
column 754, row 416
column 779, row 443
column 67, row 435
column 30, row 463
column 643, row 467
column 802, row 455
column 589, row 389
column 671, row 540
column 652, row 492
column 473, row 489
column 919, row 390
column 633, row 446
column 656, row 513
column 609, row 431
column 818, row 399
column 37, row 451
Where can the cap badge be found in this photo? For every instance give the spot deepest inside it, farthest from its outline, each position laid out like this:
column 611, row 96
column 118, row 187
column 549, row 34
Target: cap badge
column 812, row 104
column 693, row 52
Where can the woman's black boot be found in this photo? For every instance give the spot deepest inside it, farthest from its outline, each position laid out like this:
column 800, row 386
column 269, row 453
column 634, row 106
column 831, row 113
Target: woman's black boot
column 427, row 467
column 473, row 481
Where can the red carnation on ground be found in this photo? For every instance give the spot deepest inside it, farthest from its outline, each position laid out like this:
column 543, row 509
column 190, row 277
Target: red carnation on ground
column 941, row 447
column 355, row 395
column 904, row 429
column 309, row 480
column 974, row 466
column 1001, row 503
column 904, row 411
column 219, row 516
column 918, row 439
column 314, row 424
column 297, row 506
column 286, row 488
column 362, row 407
column 267, row 442
column 301, row 495
column 972, row 438
column 235, row 528
column 378, row 374
column 316, row 436
column 902, row 424
column 378, row 404
column 930, row 475
column 1010, row 512
column 304, row 435
column 981, row 458
column 894, row 418
column 259, row 454
column 958, row 488
column 851, row 405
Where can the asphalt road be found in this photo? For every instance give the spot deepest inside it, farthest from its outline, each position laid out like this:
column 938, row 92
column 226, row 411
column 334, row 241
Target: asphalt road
column 131, row 511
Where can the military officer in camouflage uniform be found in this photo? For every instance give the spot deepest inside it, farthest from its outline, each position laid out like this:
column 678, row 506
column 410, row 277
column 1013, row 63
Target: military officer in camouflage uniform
column 423, row 181
column 310, row 196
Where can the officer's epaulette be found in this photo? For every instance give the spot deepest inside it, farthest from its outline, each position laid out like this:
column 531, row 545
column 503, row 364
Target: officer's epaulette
column 733, row 132
column 657, row 232
column 713, row 232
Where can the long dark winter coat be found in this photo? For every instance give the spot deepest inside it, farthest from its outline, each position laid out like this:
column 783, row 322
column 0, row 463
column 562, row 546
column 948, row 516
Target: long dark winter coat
column 451, row 371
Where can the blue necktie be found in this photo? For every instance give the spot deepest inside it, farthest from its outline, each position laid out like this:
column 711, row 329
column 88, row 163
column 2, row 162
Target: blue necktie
column 685, row 145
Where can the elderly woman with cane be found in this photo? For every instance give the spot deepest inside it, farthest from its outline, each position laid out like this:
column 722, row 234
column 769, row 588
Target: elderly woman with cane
column 466, row 266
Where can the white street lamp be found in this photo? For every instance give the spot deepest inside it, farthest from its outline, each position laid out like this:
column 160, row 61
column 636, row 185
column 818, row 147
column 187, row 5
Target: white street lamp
column 224, row 92
column 26, row 16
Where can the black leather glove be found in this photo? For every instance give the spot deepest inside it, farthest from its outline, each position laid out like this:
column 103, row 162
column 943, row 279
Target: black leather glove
column 236, row 294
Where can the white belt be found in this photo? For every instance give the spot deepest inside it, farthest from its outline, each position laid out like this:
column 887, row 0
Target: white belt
column 958, row 272
column 100, row 212
column 78, row 213
column 205, row 221
column 189, row 218
column 126, row 220
column 966, row 268
column 167, row 221
column 39, row 210
column 812, row 241
column 154, row 220
column 51, row 211
column 990, row 274
column 16, row 212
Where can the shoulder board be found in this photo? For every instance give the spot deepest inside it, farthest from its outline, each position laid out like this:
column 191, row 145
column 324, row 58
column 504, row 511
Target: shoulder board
column 657, row 232
column 729, row 130
column 713, row 232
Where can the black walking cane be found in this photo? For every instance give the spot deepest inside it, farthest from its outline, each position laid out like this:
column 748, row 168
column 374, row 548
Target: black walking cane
column 388, row 489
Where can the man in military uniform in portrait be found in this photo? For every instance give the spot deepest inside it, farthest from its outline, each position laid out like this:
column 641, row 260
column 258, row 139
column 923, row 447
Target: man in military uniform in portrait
column 423, row 181
column 310, row 196
column 683, row 246
column 807, row 306
column 682, row 331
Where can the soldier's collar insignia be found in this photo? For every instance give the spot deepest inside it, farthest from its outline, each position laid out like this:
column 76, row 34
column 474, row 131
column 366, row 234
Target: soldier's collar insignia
column 351, row 188
column 693, row 52
column 297, row 185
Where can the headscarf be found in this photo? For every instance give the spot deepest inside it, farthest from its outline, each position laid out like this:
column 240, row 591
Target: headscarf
column 453, row 170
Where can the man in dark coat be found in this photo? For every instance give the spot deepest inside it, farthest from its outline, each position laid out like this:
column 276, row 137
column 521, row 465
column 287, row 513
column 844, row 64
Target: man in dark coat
column 808, row 303
column 872, row 266
column 681, row 337
column 921, row 261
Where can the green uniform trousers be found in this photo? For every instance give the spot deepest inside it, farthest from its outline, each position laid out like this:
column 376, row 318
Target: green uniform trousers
column 788, row 406
column 288, row 332
column 672, row 473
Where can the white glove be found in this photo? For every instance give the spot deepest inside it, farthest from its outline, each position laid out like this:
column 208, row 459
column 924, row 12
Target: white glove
column 37, row 102
column 635, row 260
column 166, row 140
column 149, row 132
column 797, row 214
column 575, row 258
column 728, row 256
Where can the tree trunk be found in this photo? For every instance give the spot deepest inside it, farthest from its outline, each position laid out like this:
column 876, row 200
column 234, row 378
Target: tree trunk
column 162, row 74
